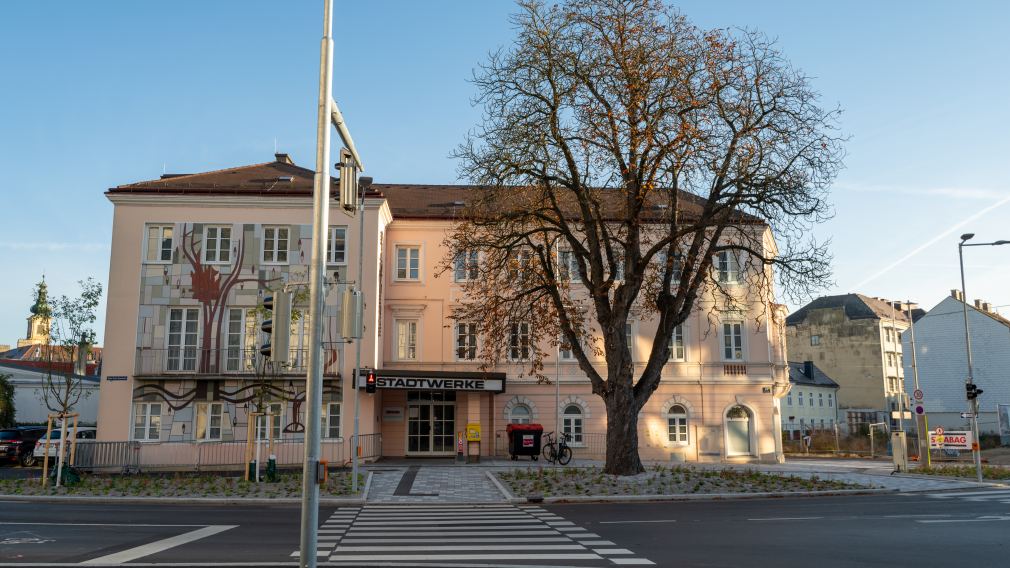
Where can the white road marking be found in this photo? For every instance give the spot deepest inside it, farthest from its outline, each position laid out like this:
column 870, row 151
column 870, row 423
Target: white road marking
column 439, row 557
column 98, row 524
column 609, row 551
column 159, row 545
column 382, row 533
column 596, row 543
column 522, row 521
column 633, row 561
column 646, row 521
column 959, row 494
column 352, row 540
column 446, row 548
column 975, row 520
column 786, row 519
column 917, row 516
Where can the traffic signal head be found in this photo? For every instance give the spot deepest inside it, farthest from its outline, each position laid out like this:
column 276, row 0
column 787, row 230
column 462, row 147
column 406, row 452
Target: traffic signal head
column 972, row 391
column 370, row 381
column 276, row 326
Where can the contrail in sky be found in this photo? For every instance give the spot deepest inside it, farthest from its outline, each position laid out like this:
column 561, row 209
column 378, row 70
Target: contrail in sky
column 930, row 242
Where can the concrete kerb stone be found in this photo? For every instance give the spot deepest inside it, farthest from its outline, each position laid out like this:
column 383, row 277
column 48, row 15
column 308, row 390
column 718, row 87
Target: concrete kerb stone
column 509, row 497
column 706, row 496
column 368, row 485
column 108, row 500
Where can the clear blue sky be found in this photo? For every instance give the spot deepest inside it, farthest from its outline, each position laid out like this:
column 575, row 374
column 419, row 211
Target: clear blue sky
column 99, row 94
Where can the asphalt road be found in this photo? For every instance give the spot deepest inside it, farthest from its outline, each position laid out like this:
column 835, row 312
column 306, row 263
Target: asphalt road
column 950, row 529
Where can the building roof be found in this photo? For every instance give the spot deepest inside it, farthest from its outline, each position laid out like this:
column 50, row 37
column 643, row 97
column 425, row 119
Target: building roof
column 282, row 178
column 797, row 375
column 856, row 306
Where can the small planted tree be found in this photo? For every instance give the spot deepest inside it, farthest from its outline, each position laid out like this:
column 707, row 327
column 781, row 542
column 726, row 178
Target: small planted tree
column 69, row 342
column 631, row 164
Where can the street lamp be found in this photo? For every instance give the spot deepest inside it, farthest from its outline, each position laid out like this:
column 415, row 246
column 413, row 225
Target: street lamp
column 972, row 402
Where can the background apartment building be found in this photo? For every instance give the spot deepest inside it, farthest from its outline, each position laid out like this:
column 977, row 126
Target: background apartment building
column 194, row 255
column 855, row 340
column 941, row 359
column 811, row 404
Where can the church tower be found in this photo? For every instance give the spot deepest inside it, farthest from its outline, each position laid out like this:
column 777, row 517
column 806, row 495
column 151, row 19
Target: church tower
column 38, row 322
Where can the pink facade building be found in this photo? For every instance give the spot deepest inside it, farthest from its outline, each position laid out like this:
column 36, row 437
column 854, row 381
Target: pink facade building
column 194, row 255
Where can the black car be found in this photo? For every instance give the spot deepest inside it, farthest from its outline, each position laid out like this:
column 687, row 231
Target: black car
column 17, row 444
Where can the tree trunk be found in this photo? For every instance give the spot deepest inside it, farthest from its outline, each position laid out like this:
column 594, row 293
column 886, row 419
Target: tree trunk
column 622, row 433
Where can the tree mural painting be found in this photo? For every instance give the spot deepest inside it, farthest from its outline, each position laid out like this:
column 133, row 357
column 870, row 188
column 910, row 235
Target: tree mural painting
column 211, row 288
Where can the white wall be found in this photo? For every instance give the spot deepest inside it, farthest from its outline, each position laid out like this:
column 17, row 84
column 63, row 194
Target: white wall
column 28, row 405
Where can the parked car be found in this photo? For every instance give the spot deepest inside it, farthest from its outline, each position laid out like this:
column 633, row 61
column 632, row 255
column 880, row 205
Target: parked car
column 83, row 433
column 18, row 444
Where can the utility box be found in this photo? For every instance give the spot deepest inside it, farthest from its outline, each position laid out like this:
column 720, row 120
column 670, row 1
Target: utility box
column 899, row 451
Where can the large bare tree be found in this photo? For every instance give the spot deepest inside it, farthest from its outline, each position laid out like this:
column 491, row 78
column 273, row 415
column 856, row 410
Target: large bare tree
column 630, row 163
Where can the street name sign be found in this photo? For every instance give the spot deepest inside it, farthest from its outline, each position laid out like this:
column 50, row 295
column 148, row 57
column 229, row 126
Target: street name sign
column 967, row 415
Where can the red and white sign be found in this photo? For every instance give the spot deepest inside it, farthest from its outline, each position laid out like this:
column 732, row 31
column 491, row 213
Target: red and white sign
column 917, row 394
column 527, row 440
column 950, row 440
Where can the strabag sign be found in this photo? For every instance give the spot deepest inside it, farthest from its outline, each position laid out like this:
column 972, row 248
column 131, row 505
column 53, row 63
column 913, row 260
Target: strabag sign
column 941, row 439
column 434, row 383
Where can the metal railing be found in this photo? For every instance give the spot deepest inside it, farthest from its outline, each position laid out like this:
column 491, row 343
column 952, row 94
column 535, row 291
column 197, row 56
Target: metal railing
column 229, row 360
column 133, row 456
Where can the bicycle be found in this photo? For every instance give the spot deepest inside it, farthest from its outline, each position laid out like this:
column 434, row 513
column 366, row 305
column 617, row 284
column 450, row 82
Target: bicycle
column 558, row 450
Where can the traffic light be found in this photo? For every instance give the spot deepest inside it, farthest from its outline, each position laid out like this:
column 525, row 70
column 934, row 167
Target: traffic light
column 972, row 390
column 370, row 381
column 277, row 326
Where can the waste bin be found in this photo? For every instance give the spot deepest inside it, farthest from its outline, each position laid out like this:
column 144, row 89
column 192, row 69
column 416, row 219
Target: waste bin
column 524, row 440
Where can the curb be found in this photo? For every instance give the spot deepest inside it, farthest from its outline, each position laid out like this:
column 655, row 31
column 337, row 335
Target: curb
column 705, row 497
column 509, row 497
column 366, row 488
column 82, row 499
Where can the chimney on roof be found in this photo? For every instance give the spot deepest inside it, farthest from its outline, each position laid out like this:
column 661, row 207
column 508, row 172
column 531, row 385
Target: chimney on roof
column 284, row 158
column 956, row 294
column 808, row 369
column 978, row 304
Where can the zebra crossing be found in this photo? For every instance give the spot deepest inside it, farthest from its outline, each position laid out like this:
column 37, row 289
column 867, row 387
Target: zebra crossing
column 440, row 535
column 989, row 495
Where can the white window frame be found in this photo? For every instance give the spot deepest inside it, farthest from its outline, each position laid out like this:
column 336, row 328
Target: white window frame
column 149, row 421
column 467, row 332
column 678, row 421
column 402, row 346
column 799, row 398
column 727, row 267
column 630, row 336
column 276, row 246
column 329, row 423
column 678, row 349
column 574, row 424
column 516, row 347
column 408, row 249
column 465, row 266
column 815, row 340
column 160, row 252
column 569, row 354
column 278, row 421
column 332, row 256
column 205, row 410
column 217, row 250
column 568, row 266
column 522, row 257
column 236, row 353
column 526, row 419
column 831, row 401
column 183, row 346
column 741, row 348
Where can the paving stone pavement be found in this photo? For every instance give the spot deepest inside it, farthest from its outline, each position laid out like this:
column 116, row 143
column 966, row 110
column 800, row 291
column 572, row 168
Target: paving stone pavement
column 440, row 484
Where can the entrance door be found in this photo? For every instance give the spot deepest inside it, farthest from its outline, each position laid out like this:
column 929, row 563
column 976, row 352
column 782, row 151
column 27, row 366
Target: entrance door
column 431, row 422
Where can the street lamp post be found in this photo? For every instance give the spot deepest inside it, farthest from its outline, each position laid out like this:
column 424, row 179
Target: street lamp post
column 973, row 402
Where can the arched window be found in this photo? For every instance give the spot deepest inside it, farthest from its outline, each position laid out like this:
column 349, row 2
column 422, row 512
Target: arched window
column 738, row 431
column 571, row 422
column 677, row 420
column 520, row 414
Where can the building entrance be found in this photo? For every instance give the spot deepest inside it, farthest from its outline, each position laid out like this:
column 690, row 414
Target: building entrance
column 431, row 423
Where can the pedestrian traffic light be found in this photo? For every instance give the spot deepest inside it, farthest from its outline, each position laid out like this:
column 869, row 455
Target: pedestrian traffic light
column 277, row 326
column 972, row 390
column 370, row 381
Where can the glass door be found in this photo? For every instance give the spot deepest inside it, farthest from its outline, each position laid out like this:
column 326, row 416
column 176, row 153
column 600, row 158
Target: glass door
column 431, row 422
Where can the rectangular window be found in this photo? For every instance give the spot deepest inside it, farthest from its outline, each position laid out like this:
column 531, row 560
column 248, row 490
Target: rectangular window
column 464, row 266
column 677, row 268
column 276, row 418
column 568, row 266
column 566, row 352
column 732, row 341
column 677, row 350
column 147, row 421
column 728, row 267
column 408, row 262
column 799, row 398
column 183, row 335
column 406, row 340
column 336, row 245
column 208, row 421
column 466, row 341
column 629, row 336
column 831, row 401
column 275, row 245
column 217, row 243
column 235, row 353
column 519, row 341
column 677, row 428
column 331, row 420
column 159, row 243
column 789, row 399
column 519, row 263
column 820, row 399
column 815, row 340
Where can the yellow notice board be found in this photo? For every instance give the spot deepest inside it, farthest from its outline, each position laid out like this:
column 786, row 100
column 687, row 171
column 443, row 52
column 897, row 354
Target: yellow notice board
column 473, row 432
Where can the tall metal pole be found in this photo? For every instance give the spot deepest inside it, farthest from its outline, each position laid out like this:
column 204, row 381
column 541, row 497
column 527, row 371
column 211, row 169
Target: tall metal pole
column 920, row 430
column 357, row 350
column 317, row 298
column 972, row 404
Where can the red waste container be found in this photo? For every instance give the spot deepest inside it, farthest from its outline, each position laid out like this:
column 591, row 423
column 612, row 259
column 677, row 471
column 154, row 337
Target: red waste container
column 524, row 440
